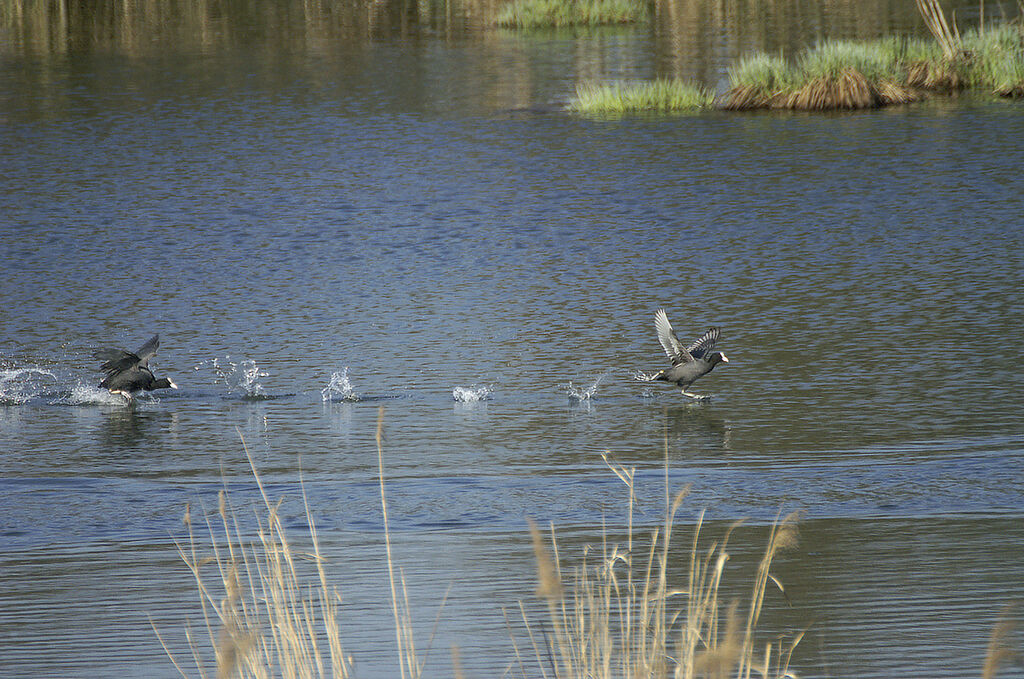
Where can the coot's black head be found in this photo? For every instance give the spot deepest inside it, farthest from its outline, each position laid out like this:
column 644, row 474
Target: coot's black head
column 716, row 357
column 162, row 383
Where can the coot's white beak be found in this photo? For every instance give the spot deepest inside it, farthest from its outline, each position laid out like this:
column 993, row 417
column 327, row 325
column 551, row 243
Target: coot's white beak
column 173, row 385
column 725, row 359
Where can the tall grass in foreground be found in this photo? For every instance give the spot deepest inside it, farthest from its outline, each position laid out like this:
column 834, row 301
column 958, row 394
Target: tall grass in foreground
column 261, row 617
column 564, row 13
column 660, row 96
column 615, row 616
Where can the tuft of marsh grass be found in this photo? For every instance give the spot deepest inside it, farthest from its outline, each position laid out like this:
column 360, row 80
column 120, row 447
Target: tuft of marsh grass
column 996, row 58
column 659, row 96
column 756, row 81
column 844, row 74
column 835, row 74
column 617, row 615
column 564, row 13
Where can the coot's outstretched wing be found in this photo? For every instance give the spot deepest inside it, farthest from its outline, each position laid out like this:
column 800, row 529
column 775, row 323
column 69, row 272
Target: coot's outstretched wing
column 703, row 344
column 119, row 360
column 148, row 350
column 116, row 360
column 669, row 342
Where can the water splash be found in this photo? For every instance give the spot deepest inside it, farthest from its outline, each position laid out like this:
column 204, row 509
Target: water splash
column 471, row 394
column 339, row 388
column 580, row 394
column 20, row 385
column 87, row 395
column 242, row 377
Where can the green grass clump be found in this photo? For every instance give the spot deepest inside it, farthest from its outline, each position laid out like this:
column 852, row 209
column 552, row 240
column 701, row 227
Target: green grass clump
column 757, row 80
column 563, row 13
column 876, row 60
column 659, row 96
column 995, row 59
column 843, row 74
column 835, row 74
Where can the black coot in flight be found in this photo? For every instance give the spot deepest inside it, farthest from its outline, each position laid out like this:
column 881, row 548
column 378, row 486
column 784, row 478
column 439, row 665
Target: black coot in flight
column 128, row 373
column 690, row 363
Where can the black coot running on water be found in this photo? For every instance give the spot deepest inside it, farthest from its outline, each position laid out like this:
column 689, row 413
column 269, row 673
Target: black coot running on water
column 128, row 373
column 690, row 363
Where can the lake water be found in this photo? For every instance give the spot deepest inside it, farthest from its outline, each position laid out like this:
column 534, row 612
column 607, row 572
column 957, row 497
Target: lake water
column 397, row 212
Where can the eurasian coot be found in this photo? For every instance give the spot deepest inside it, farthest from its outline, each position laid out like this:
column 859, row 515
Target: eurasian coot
column 128, row 373
column 688, row 364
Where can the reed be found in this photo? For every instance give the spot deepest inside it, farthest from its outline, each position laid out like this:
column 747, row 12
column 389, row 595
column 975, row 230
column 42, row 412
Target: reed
column 659, row 96
column 264, row 614
column 563, row 13
column 616, row 616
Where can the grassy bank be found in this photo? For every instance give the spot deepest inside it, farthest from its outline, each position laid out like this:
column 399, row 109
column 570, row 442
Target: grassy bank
column 563, row 13
column 843, row 74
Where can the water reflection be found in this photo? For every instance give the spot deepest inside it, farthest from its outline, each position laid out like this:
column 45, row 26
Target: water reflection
column 132, row 429
column 696, row 430
column 691, row 39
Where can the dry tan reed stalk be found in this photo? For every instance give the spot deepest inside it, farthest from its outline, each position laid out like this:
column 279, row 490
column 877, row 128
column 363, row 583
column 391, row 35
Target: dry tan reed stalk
column 893, row 93
column 935, row 19
column 1001, row 645
column 847, row 90
column 387, row 542
column 267, row 623
column 941, row 76
column 604, row 624
column 748, row 98
column 783, row 536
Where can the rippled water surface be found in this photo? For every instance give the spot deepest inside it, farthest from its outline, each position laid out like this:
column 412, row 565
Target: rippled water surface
column 322, row 228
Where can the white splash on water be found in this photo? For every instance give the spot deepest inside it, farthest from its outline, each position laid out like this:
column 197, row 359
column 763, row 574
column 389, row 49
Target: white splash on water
column 579, row 394
column 20, row 385
column 641, row 376
column 339, row 388
column 242, row 377
column 471, row 394
column 88, row 395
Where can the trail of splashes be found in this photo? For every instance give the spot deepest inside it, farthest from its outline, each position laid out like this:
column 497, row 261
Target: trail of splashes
column 339, row 388
column 471, row 394
column 20, row 385
column 579, row 394
column 242, row 377
column 88, row 395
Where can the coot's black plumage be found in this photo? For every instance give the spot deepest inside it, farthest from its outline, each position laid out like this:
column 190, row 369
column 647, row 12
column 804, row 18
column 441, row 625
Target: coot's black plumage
column 128, row 373
column 688, row 363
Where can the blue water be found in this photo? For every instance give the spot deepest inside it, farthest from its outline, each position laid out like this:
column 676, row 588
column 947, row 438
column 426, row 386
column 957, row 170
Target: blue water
column 313, row 240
